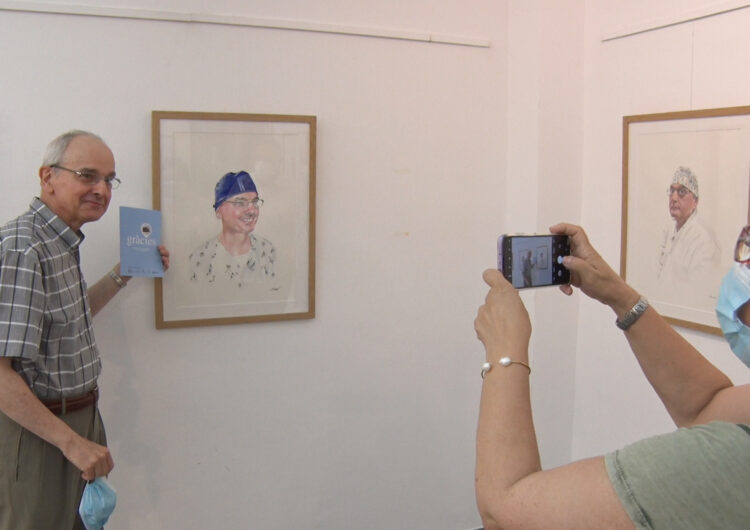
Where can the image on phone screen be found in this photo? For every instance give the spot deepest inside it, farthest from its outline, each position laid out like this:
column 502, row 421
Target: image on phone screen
column 533, row 260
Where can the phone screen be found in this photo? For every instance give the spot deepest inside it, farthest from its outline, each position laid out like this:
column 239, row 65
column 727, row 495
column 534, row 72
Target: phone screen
column 533, row 260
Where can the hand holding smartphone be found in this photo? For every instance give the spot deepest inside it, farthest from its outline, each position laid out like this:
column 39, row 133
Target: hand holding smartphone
column 533, row 260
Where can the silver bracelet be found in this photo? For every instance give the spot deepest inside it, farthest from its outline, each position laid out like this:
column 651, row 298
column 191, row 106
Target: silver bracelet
column 117, row 279
column 504, row 362
column 634, row 314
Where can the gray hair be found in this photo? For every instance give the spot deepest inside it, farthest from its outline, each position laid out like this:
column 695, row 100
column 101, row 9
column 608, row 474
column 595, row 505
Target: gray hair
column 57, row 147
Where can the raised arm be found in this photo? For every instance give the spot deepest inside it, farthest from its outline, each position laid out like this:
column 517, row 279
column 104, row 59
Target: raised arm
column 512, row 490
column 105, row 289
column 692, row 389
column 110, row 284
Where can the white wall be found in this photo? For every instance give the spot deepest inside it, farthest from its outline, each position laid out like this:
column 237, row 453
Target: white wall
column 365, row 416
column 545, row 120
column 695, row 65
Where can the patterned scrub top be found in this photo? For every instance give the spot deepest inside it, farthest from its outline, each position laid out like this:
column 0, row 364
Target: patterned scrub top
column 211, row 263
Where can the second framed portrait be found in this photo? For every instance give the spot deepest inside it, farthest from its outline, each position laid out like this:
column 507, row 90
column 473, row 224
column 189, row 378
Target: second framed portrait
column 237, row 196
column 686, row 179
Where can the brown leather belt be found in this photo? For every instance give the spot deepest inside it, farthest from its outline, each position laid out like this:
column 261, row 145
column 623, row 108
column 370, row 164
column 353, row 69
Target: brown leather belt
column 66, row 405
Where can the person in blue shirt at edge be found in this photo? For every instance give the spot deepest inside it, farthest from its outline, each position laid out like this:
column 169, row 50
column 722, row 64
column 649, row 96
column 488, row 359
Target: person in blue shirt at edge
column 696, row 477
column 52, row 439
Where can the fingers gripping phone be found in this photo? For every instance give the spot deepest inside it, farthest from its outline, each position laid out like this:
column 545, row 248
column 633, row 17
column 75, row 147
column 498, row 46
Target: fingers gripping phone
column 533, row 260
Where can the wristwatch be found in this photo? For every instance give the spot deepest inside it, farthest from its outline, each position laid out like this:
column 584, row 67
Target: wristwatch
column 632, row 315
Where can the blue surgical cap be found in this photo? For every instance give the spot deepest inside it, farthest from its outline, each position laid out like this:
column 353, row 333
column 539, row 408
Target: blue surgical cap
column 233, row 184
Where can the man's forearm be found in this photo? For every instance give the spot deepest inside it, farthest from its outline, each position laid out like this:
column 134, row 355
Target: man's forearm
column 104, row 290
column 19, row 403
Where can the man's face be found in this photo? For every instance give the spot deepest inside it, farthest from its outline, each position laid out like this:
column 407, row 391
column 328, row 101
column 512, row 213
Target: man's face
column 682, row 203
column 74, row 201
column 238, row 214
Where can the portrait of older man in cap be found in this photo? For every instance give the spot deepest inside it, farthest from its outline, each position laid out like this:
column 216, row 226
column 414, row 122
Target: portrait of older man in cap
column 688, row 246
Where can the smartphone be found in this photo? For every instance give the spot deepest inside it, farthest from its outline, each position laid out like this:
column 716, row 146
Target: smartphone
column 533, row 260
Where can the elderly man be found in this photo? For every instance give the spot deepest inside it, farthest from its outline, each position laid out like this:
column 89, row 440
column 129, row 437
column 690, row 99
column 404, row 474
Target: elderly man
column 688, row 247
column 52, row 438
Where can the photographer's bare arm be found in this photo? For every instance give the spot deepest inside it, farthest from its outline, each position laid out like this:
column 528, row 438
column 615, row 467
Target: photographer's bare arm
column 512, row 490
column 692, row 389
column 22, row 406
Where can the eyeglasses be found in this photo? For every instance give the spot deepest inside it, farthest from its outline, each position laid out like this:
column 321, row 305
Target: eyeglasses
column 681, row 191
column 241, row 204
column 92, row 178
column 742, row 249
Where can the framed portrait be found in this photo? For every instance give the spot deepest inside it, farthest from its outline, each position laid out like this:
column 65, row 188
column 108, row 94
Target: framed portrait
column 685, row 197
column 237, row 197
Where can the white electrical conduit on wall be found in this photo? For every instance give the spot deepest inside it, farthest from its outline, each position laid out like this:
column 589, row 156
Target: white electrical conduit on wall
column 229, row 20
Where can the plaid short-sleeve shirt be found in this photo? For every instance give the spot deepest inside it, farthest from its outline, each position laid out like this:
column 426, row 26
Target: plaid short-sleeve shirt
column 45, row 319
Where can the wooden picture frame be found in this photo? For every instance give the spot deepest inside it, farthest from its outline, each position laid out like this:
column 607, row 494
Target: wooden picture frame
column 680, row 270
column 191, row 152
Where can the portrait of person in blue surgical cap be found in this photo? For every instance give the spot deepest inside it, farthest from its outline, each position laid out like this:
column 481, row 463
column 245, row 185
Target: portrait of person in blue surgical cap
column 236, row 256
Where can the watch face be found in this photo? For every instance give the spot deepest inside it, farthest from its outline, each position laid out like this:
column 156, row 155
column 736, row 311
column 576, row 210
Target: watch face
column 640, row 307
column 633, row 314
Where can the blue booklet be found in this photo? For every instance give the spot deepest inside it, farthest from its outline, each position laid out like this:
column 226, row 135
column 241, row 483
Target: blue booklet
column 140, row 235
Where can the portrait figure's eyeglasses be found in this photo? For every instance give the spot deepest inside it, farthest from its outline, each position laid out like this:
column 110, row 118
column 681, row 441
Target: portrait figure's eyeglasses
column 680, row 191
column 742, row 249
column 92, row 178
column 241, row 204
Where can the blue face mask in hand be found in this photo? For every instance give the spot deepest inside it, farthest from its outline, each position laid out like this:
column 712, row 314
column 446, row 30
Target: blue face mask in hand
column 97, row 504
column 735, row 291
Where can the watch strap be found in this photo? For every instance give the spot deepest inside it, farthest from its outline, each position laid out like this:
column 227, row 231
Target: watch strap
column 634, row 314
